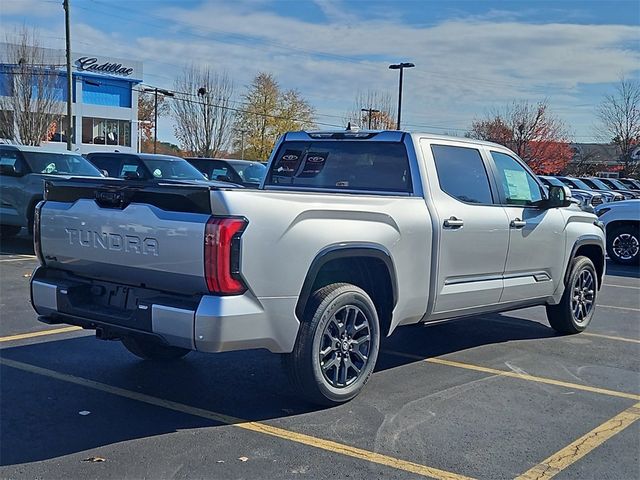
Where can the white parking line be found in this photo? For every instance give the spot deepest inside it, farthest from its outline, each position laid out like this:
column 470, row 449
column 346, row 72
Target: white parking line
column 620, row 286
column 7, row 260
column 618, row 308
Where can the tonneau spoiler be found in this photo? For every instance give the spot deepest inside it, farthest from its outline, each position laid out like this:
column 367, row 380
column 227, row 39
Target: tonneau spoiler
column 169, row 195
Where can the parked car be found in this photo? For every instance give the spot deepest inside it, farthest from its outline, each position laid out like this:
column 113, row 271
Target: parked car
column 241, row 172
column 600, row 186
column 631, row 183
column 588, row 198
column 622, row 223
column 144, row 166
column 351, row 235
column 618, row 186
column 576, row 183
column 22, row 173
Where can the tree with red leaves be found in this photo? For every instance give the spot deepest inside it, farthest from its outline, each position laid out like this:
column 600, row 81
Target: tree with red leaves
column 530, row 130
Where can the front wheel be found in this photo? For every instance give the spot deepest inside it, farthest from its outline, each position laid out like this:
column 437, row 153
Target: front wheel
column 578, row 303
column 337, row 345
column 623, row 244
column 149, row 350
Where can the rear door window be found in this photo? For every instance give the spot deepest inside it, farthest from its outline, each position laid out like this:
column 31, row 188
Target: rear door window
column 342, row 165
column 462, row 174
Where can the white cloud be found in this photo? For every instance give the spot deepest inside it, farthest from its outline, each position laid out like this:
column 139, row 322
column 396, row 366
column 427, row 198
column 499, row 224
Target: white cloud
column 463, row 65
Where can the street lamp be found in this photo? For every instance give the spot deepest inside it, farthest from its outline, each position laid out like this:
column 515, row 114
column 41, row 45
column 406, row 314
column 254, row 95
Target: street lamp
column 156, row 91
column 370, row 112
column 401, row 67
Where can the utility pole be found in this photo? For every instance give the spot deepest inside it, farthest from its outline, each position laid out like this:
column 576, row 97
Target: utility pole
column 370, row 112
column 155, row 91
column 67, row 28
column 242, row 133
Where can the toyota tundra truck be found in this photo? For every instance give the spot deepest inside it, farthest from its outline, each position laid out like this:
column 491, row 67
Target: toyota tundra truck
column 349, row 236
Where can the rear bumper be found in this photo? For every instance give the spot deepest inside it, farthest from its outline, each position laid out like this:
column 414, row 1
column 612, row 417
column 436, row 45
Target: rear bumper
column 205, row 323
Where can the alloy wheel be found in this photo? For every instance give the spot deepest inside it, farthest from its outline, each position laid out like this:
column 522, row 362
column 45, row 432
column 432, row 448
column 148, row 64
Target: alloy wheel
column 345, row 346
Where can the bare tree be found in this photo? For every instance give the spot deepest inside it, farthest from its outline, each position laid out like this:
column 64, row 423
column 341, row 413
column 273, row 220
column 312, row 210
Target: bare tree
column 619, row 115
column 202, row 111
column 379, row 114
column 34, row 91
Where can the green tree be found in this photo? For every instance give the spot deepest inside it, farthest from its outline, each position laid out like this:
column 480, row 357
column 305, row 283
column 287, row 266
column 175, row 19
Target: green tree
column 267, row 113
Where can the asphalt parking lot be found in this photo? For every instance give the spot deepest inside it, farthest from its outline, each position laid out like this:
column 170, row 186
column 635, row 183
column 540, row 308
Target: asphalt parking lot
column 492, row 397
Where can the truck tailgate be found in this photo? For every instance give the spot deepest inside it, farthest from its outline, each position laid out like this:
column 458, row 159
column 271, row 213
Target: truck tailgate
column 147, row 235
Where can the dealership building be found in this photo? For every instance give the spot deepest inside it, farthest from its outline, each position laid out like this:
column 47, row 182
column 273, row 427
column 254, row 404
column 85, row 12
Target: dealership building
column 105, row 99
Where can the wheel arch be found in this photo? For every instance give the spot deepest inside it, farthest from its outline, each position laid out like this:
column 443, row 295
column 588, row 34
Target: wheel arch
column 592, row 247
column 367, row 265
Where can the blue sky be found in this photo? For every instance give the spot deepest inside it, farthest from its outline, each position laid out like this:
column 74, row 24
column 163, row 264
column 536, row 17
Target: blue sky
column 470, row 56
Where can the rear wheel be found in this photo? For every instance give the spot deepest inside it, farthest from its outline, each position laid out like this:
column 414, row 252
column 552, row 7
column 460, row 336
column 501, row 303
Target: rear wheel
column 149, row 350
column 337, row 345
column 623, row 244
column 578, row 303
column 7, row 231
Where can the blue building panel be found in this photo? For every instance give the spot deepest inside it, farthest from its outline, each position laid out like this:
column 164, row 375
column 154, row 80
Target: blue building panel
column 106, row 91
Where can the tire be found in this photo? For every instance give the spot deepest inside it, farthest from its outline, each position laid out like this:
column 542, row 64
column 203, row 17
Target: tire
column 7, row 231
column 337, row 316
column 623, row 244
column 149, row 350
column 577, row 306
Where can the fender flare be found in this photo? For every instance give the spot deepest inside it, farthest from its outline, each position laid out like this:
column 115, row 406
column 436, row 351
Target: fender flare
column 580, row 242
column 345, row 250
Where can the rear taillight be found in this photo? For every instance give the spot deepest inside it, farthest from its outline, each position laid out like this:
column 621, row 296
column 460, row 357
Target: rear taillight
column 222, row 255
column 36, row 232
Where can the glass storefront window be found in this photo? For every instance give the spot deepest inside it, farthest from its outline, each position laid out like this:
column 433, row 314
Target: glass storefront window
column 102, row 131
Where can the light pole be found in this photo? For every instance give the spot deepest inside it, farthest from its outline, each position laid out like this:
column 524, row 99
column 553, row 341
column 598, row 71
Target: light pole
column 401, row 67
column 67, row 30
column 370, row 112
column 156, row 91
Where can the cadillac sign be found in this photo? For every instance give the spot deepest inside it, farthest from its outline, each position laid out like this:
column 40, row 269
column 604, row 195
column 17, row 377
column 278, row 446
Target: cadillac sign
column 91, row 64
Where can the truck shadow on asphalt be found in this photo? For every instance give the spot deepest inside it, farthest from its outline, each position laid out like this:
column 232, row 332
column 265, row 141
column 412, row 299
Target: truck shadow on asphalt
column 39, row 417
column 19, row 245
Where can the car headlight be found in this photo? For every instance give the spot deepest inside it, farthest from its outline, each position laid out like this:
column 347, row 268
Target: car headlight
column 602, row 211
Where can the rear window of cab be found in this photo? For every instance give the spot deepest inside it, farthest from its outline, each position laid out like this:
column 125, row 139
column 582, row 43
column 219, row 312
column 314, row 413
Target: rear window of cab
column 342, row 165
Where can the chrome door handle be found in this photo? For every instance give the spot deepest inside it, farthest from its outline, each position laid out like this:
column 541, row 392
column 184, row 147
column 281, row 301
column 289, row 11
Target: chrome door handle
column 517, row 223
column 453, row 222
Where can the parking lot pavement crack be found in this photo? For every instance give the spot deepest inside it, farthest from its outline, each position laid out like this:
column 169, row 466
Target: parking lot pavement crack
column 576, row 450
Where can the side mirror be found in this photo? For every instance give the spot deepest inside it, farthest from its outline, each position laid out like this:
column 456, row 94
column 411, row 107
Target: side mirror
column 558, row 197
column 12, row 170
column 104, row 172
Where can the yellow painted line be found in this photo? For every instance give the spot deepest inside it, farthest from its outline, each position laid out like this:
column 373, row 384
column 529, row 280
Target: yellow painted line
column 610, row 337
column 620, row 286
column 573, row 452
column 39, row 333
column 618, row 308
column 521, row 376
column 327, row 445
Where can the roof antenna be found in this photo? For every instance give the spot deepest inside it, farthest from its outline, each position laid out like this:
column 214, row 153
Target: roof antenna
column 348, row 129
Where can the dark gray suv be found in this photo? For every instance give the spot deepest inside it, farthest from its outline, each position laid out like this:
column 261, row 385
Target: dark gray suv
column 22, row 173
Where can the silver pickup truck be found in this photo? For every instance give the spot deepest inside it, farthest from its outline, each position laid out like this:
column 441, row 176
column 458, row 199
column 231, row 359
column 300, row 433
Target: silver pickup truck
column 350, row 235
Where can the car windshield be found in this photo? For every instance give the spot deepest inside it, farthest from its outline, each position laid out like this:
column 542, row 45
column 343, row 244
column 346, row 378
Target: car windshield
column 172, row 169
column 552, row 181
column 600, row 185
column 579, row 183
column 251, row 172
column 60, row 164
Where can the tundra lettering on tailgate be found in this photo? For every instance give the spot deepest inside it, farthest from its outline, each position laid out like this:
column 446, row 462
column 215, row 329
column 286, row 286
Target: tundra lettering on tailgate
column 113, row 241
